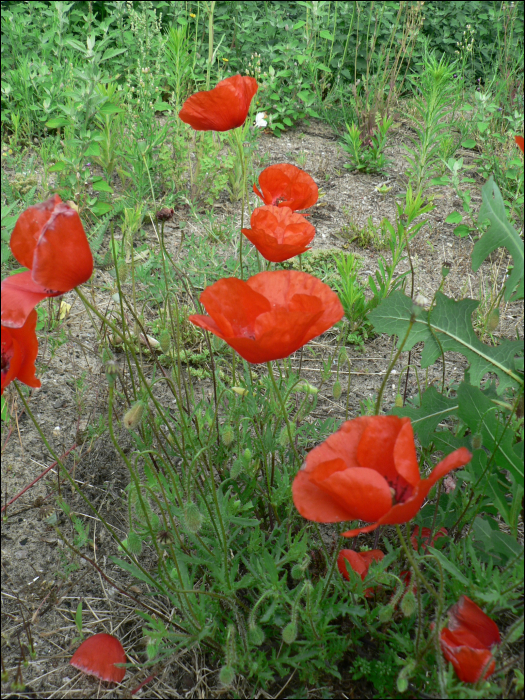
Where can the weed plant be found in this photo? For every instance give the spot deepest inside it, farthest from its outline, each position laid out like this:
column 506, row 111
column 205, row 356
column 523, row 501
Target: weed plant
column 214, row 531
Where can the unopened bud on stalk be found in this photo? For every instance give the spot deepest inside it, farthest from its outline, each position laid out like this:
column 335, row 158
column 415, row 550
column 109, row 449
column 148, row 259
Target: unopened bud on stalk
column 240, row 390
column 122, row 270
column 134, row 543
column 134, row 416
column 399, row 401
column 247, row 455
column 408, row 604
column 111, row 371
column 385, row 614
column 493, row 320
column 284, row 437
column 477, row 441
column 256, row 635
column 290, row 632
column 192, row 517
column 227, row 435
column 226, row 675
column 165, row 341
column 337, row 390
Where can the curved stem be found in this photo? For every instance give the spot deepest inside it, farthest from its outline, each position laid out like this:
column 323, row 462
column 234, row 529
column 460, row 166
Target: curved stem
column 283, row 408
column 413, row 563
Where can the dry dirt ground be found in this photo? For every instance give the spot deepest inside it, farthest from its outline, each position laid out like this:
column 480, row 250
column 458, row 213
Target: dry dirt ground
column 42, row 583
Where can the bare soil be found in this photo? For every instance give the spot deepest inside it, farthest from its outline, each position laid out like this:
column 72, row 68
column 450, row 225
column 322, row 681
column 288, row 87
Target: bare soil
column 42, row 581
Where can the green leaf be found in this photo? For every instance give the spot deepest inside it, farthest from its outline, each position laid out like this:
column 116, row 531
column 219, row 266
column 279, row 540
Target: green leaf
column 101, row 208
column 4, row 410
column 468, row 143
column 449, row 566
column 100, row 185
column 325, row 34
column 58, row 123
column 132, row 569
column 454, row 218
column 462, row 230
column 499, row 233
column 448, row 326
column 57, row 167
column 111, row 53
column 92, row 150
column 434, row 408
column 478, row 412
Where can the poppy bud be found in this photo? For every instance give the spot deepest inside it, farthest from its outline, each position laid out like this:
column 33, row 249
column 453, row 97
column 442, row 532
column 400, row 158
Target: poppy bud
column 284, row 437
column 165, row 341
column 385, row 614
column 192, row 517
column 337, row 390
column 240, row 391
column 399, row 401
column 237, row 468
column 477, row 441
column 226, row 675
column 290, row 633
column 247, row 455
column 493, row 320
column 133, row 543
column 408, row 604
column 256, row 635
column 122, row 269
column 111, row 371
column 134, row 416
column 227, row 435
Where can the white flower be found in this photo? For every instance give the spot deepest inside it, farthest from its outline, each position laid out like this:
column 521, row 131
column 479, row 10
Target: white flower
column 260, row 120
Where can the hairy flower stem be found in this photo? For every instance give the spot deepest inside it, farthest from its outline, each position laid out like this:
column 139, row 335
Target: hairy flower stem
column 283, row 408
column 238, row 136
column 413, row 563
column 391, row 366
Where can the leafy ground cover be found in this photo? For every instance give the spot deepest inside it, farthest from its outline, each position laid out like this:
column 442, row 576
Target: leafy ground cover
column 172, row 511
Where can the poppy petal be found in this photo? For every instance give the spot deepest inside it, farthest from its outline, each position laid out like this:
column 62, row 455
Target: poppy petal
column 278, row 233
column 97, row 656
column 314, row 504
column 20, row 295
column 519, row 141
column 223, row 108
column 469, row 663
column 19, row 352
column 343, row 443
column 356, row 562
column 286, row 185
column 405, row 457
column 467, row 615
column 234, row 306
column 376, row 447
column 363, row 492
column 61, row 257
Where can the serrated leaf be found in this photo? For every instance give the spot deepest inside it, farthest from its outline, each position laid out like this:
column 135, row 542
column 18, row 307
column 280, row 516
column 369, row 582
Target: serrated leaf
column 101, row 185
column 500, row 233
column 479, row 413
column 448, row 326
column 434, row 408
column 132, row 569
column 449, row 566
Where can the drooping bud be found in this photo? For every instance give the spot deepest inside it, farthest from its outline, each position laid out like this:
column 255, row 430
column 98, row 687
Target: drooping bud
column 408, row 604
column 192, row 517
column 226, row 676
column 122, row 270
column 290, row 632
column 337, row 390
column 399, row 401
column 284, row 437
column 256, row 635
column 165, row 341
column 477, row 441
column 385, row 614
column 134, row 416
column 247, row 455
column 227, row 435
column 240, row 391
column 134, row 543
column 493, row 320
column 111, row 371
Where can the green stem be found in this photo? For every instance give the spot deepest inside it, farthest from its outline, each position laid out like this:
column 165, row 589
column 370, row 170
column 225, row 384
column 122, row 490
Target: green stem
column 283, row 408
column 413, row 563
column 392, row 365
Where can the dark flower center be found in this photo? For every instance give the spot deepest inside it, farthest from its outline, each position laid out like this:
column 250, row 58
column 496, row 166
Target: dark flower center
column 400, row 489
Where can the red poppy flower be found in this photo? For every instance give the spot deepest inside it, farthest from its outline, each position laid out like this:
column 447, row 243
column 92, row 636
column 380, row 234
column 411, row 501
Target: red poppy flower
column 468, row 640
column 519, row 141
column 49, row 239
column 367, row 470
column 97, row 656
column 424, row 539
column 278, row 233
column 221, row 109
column 359, row 562
column 19, row 351
column 271, row 315
column 285, row 185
